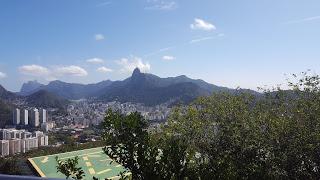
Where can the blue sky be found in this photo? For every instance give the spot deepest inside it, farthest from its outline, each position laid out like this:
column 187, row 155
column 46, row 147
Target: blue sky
column 232, row 43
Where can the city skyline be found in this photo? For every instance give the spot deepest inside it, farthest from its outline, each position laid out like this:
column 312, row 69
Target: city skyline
column 248, row 44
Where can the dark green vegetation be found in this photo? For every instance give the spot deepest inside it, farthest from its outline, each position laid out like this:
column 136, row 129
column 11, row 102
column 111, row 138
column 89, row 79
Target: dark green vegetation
column 6, row 95
column 9, row 166
column 46, row 99
column 5, row 113
column 226, row 136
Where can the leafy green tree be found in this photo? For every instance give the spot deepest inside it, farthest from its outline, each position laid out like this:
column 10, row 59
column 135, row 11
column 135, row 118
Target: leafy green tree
column 9, row 166
column 222, row 131
column 275, row 136
column 69, row 168
column 226, row 136
column 131, row 145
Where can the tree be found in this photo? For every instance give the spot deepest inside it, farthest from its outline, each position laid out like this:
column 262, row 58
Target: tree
column 131, row 145
column 274, row 136
column 226, row 136
column 69, row 168
column 9, row 166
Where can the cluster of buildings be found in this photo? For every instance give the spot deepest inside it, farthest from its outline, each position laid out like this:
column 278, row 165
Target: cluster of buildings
column 86, row 112
column 34, row 118
column 13, row 141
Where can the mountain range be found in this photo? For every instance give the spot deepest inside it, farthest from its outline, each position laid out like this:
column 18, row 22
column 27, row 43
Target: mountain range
column 141, row 87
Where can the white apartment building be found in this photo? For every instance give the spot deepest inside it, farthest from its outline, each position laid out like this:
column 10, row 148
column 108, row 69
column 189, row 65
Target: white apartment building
column 16, row 116
column 14, row 146
column 43, row 116
column 46, row 140
column 41, row 141
column 13, row 141
column 31, row 143
column 23, row 146
column 26, row 135
column 24, row 117
column 35, row 122
column 37, row 133
column 4, row 147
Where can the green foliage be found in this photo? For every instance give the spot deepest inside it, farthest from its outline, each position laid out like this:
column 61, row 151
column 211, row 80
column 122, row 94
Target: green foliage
column 226, row 136
column 5, row 113
column 69, row 168
column 45, row 99
column 9, row 166
column 223, row 131
column 137, row 150
column 245, row 137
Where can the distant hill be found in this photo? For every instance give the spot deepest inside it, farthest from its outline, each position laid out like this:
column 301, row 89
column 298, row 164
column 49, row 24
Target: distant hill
column 143, row 88
column 151, row 90
column 72, row 90
column 7, row 95
column 163, row 82
column 45, row 99
column 5, row 113
column 30, row 87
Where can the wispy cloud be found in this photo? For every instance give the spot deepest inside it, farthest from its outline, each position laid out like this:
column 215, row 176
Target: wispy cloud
column 99, row 37
column 159, row 51
column 104, row 69
column 129, row 64
column 201, row 39
column 197, row 40
column 104, row 4
column 200, row 24
column 95, row 61
column 168, row 58
column 314, row 18
column 2, row 75
column 161, row 5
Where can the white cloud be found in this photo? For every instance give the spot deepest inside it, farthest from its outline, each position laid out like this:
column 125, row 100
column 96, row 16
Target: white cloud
column 201, row 39
column 70, row 71
column 104, row 69
column 200, row 24
column 99, row 37
column 128, row 65
column 95, row 61
column 304, row 20
column 34, row 70
column 2, row 75
column 161, row 5
column 168, row 58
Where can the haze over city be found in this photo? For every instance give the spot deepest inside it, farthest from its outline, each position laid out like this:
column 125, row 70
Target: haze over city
column 221, row 42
